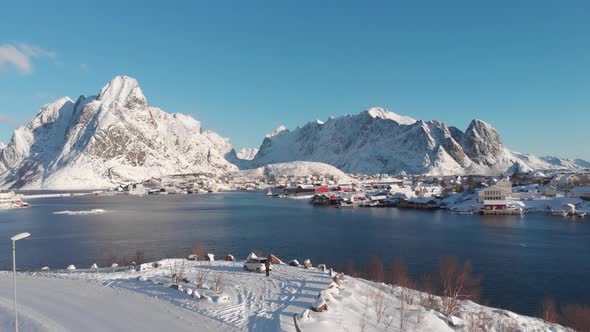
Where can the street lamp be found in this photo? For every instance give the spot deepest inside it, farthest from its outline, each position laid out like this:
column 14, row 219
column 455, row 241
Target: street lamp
column 14, row 239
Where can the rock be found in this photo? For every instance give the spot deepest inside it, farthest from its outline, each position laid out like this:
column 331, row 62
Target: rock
column 176, row 286
column 206, row 298
column 338, row 279
column 319, row 305
column 333, row 288
column 229, row 258
column 196, row 294
column 322, row 267
column 305, row 314
column 210, row 257
column 188, row 291
column 221, row 298
column 326, row 295
column 193, row 257
column 141, row 278
column 71, row 267
column 332, row 273
column 275, row 260
column 45, row 268
column 186, row 280
column 114, row 265
column 294, row 262
column 251, row 256
column 94, row 266
column 307, row 264
column 455, row 321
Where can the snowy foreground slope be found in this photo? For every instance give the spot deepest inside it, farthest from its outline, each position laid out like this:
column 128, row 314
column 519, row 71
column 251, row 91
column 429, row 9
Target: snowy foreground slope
column 133, row 300
column 104, row 140
column 380, row 141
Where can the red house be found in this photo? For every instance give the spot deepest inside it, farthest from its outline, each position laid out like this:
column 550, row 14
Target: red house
column 322, row 190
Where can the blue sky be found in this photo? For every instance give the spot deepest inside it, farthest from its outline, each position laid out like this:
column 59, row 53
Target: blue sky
column 245, row 67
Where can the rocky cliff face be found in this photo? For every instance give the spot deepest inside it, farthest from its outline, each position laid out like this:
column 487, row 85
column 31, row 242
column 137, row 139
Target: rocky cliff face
column 379, row 141
column 108, row 139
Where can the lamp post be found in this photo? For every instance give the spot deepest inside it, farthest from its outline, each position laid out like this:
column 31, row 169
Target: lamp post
column 14, row 239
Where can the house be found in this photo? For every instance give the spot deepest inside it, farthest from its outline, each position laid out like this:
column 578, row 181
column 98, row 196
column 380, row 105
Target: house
column 500, row 191
column 550, row 191
column 501, row 207
column 581, row 192
column 322, row 190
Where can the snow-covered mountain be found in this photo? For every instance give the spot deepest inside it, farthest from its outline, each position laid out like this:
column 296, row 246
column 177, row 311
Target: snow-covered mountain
column 108, row 139
column 380, row 141
column 294, row 168
column 247, row 153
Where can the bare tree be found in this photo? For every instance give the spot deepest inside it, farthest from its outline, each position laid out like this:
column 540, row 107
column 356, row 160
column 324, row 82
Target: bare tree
column 457, row 284
column 199, row 250
column 201, row 277
column 549, row 311
column 177, row 267
column 576, row 316
column 374, row 270
column 218, row 281
column 378, row 299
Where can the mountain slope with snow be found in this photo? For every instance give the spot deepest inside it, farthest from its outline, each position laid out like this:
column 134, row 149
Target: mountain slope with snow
column 379, row 141
column 247, row 153
column 108, row 139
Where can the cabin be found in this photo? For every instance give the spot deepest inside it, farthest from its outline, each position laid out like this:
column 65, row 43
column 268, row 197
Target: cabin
column 322, row 190
column 300, row 189
column 550, row 191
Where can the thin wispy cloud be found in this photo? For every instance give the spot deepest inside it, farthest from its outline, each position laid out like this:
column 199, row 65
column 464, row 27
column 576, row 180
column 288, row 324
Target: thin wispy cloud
column 20, row 56
column 5, row 118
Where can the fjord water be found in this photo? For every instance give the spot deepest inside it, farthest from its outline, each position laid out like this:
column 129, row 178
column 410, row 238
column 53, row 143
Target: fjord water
column 522, row 259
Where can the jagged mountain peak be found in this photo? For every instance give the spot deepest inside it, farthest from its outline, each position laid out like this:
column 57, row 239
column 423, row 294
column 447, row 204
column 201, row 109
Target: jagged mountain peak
column 277, row 131
column 50, row 112
column 382, row 113
column 123, row 90
column 98, row 143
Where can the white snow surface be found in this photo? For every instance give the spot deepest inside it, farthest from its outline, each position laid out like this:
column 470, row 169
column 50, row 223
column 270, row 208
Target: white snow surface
column 247, row 153
column 106, row 140
column 142, row 300
column 377, row 141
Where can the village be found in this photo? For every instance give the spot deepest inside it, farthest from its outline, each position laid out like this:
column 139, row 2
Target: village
column 556, row 193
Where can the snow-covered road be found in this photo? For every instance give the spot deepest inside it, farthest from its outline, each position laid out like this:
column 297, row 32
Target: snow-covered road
column 47, row 304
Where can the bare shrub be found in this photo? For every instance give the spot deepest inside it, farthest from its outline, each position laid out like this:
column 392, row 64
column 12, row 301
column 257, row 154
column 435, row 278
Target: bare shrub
column 374, row 269
column 480, row 321
column 199, row 250
column 378, row 299
column 177, row 267
column 427, row 286
column 549, row 311
column 576, row 316
column 201, row 277
column 218, row 281
column 457, row 284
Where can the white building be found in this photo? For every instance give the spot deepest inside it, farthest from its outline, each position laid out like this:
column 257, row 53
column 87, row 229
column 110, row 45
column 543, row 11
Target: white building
column 500, row 191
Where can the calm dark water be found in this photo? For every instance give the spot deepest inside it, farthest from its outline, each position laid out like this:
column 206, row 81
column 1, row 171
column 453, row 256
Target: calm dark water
column 523, row 259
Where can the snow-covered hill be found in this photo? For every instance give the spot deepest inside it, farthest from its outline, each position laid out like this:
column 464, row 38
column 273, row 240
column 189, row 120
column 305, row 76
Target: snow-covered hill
column 295, row 169
column 108, row 139
column 380, row 141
